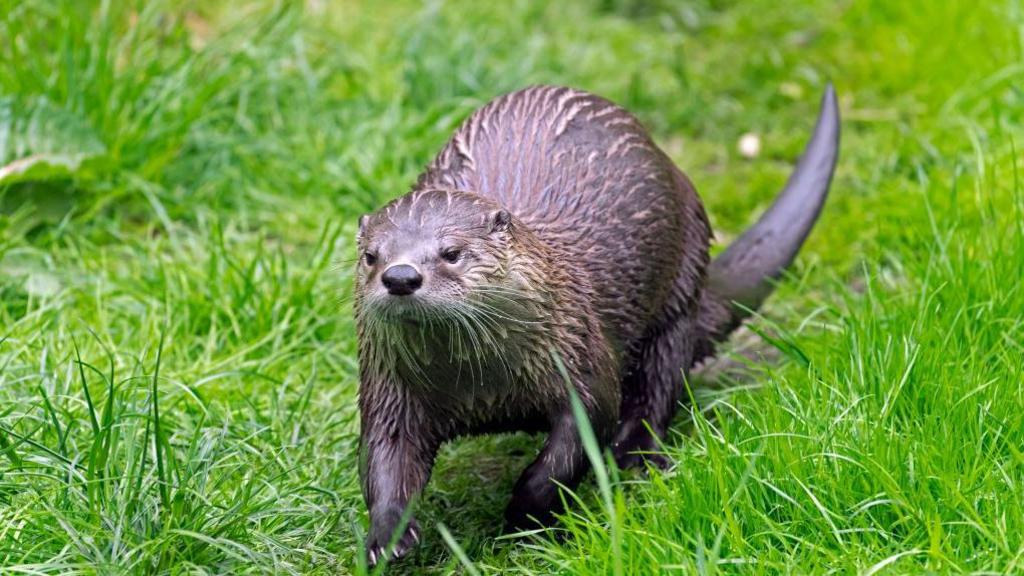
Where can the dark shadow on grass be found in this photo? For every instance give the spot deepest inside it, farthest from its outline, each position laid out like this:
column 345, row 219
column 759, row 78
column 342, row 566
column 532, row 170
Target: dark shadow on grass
column 738, row 365
column 470, row 486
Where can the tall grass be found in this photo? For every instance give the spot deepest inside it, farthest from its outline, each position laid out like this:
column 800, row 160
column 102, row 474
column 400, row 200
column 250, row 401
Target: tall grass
column 177, row 358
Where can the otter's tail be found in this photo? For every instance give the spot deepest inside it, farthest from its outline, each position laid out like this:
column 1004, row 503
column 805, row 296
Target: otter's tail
column 743, row 276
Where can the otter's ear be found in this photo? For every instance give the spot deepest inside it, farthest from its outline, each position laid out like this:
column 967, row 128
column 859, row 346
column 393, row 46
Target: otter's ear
column 499, row 220
column 363, row 220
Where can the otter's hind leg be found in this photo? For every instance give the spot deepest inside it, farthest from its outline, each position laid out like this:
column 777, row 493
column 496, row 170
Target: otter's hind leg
column 651, row 394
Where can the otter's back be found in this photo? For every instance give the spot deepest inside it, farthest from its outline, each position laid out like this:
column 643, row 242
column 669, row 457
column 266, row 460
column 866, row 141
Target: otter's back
column 585, row 176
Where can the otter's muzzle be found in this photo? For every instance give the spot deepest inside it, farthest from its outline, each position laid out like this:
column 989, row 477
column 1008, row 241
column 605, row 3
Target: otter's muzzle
column 401, row 280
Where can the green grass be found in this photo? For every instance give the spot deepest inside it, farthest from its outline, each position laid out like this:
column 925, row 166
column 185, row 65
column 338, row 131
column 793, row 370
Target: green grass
column 177, row 356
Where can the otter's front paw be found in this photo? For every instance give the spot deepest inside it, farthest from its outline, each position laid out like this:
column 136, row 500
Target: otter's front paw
column 529, row 511
column 636, row 447
column 382, row 533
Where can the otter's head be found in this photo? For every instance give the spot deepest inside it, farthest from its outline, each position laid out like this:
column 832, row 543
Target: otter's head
column 431, row 251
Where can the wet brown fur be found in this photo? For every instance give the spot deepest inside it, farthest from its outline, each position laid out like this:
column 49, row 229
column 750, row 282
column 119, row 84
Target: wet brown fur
column 582, row 241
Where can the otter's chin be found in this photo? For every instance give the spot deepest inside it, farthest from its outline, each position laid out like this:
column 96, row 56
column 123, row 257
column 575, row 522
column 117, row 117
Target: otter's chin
column 411, row 309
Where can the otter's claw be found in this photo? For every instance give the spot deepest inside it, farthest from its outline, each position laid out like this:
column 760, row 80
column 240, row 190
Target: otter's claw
column 376, row 545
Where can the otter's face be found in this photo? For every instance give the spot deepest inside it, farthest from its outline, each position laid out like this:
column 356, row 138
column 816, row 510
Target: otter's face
column 429, row 252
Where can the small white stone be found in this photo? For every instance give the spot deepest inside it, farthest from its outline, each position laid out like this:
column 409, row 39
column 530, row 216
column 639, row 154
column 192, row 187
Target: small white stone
column 749, row 145
column 791, row 90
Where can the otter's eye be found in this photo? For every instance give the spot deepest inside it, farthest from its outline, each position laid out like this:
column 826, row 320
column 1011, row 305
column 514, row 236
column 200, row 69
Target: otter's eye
column 451, row 255
column 370, row 258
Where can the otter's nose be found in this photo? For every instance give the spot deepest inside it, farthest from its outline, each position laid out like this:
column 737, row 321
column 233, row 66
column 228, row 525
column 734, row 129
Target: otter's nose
column 401, row 280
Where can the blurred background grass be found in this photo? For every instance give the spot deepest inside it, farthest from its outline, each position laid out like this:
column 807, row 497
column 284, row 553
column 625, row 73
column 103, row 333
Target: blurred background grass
column 191, row 173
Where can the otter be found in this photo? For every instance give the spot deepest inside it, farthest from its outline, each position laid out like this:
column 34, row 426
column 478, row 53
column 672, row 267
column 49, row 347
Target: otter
column 551, row 248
